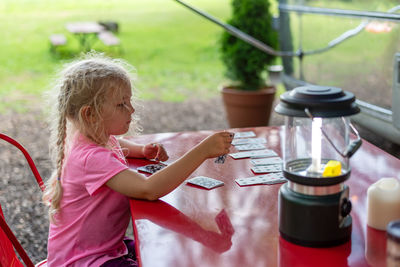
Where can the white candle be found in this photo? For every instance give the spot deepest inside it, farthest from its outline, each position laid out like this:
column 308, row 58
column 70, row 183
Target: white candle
column 316, row 138
column 383, row 202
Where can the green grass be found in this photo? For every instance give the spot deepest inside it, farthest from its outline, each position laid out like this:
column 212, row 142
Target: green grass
column 174, row 51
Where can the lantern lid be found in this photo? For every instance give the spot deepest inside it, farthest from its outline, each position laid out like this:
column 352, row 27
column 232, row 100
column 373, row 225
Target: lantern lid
column 321, row 101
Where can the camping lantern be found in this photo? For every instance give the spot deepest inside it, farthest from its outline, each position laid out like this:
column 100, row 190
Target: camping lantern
column 314, row 206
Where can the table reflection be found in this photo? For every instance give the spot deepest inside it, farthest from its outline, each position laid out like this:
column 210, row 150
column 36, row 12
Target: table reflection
column 294, row 255
column 168, row 217
column 375, row 249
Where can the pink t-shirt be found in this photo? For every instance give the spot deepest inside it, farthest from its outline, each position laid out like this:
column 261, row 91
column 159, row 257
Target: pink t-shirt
column 93, row 218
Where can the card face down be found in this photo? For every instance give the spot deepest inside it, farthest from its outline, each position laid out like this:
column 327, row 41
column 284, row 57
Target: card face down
column 152, row 168
column 206, row 182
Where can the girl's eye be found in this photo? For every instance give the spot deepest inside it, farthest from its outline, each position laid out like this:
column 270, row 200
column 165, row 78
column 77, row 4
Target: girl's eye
column 121, row 105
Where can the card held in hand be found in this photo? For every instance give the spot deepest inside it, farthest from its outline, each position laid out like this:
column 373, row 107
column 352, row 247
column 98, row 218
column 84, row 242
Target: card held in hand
column 152, row 168
column 220, row 159
column 206, row 182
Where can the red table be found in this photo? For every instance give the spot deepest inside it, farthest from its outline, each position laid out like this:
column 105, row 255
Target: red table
column 238, row 226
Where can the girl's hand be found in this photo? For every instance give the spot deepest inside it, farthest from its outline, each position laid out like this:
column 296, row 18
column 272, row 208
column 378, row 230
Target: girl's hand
column 217, row 144
column 155, row 151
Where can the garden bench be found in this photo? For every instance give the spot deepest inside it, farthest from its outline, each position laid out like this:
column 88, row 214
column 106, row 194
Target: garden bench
column 111, row 26
column 109, row 39
column 57, row 40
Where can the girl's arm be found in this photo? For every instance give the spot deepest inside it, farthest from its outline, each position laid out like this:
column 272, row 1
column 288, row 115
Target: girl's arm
column 135, row 185
column 149, row 151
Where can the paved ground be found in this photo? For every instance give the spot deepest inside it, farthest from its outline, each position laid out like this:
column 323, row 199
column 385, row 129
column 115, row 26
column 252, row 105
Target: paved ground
column 21, row 197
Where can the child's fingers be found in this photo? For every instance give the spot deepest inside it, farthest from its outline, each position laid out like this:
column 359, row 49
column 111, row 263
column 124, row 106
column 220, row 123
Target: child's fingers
column 227, row 138
column 150, row 151
column 158, row 152
column 161, row 154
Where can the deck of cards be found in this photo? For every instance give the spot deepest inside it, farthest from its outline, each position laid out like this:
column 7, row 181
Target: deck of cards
column 205, row 182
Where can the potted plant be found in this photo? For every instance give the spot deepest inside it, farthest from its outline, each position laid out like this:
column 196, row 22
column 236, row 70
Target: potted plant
column 248, row 101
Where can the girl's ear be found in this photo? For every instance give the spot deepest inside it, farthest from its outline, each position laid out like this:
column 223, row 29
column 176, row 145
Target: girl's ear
column 87, row 113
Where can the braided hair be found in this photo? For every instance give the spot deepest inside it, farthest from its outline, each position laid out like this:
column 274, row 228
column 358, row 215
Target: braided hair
column 82, row 83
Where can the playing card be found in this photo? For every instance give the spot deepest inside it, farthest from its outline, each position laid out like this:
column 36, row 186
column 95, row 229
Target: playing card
column 245, row 134
column 220, row 159
column 267, row 168
column 263, row 154
column 152, row 168
column 250, row 147
column 266, row 161
column 205, row 182
column 254, row 154
column 272, row 178
column 275, row 178
column 243, row 141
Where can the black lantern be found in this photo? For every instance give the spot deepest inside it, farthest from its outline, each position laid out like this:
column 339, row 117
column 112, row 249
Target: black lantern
column 314, row 206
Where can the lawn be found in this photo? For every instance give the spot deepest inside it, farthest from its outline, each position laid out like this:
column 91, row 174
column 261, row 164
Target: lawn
column 174, row 50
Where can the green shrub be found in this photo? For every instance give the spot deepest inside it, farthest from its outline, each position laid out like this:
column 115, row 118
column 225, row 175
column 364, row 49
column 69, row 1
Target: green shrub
column 245, row 64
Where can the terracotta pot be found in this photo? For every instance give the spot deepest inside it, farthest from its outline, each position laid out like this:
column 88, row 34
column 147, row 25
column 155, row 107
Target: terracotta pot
column 248, row 108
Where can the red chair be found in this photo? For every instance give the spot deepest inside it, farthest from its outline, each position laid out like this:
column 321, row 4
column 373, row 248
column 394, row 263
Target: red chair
column 8, row 241
column 32, row 165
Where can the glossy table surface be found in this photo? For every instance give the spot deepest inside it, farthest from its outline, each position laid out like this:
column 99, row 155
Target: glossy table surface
column 238, row 226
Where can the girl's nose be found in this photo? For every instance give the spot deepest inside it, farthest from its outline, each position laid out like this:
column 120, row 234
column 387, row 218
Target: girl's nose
column 130, row 108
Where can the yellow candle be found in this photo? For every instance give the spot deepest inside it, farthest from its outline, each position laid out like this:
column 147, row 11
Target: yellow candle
column 332, row 168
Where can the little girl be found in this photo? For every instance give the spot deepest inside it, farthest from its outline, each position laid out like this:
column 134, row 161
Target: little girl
column 88, row 194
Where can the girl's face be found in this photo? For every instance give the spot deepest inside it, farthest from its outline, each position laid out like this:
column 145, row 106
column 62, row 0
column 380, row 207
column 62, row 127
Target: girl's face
column 117, row 111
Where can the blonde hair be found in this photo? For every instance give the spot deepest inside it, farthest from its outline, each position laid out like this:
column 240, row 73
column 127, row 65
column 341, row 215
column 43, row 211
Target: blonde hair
column 82, row 83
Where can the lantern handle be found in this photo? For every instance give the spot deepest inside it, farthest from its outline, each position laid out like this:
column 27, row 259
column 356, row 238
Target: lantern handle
column 351, row 148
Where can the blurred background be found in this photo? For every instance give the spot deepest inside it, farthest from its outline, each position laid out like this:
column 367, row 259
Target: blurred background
column 174, row 51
